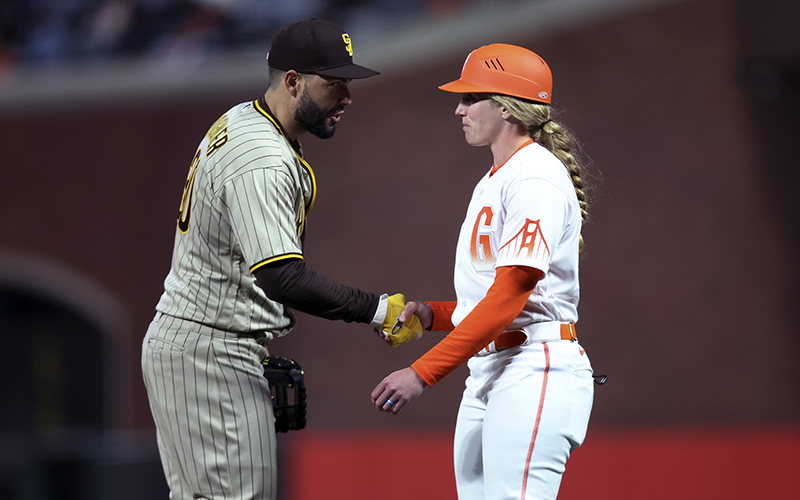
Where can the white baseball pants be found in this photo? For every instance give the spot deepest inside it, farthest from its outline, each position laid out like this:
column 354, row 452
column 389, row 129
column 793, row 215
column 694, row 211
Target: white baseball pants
column 523, row 411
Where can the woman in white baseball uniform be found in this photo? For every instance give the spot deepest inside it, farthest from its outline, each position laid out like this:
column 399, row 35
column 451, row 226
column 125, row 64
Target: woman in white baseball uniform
column 529, row 393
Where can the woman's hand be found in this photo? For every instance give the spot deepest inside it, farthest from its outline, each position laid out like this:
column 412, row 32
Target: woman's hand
column 421, row 309
column 398, row 389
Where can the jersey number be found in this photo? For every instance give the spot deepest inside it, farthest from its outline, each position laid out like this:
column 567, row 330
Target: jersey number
column 481, row 243
column 217, row 137
column 185, row 215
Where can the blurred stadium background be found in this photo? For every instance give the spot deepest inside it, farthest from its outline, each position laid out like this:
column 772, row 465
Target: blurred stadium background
column 689, row 111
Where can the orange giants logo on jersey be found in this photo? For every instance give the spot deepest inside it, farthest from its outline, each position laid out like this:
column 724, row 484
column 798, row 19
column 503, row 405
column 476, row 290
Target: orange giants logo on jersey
column 528, row 243
column 481, row 242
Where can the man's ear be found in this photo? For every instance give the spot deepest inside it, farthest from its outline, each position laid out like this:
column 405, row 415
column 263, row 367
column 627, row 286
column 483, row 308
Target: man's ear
column 291, row 80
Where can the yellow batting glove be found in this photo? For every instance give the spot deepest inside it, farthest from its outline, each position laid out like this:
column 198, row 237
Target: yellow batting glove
column 400, row 333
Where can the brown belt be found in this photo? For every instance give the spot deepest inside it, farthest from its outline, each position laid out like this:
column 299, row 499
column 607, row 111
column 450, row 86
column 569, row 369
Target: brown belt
column 514, row 338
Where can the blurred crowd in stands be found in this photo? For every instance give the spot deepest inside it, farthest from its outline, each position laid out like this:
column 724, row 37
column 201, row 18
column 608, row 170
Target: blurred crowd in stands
column 51, row 32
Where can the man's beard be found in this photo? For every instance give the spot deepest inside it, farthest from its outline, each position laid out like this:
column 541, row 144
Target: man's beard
column 313, row 118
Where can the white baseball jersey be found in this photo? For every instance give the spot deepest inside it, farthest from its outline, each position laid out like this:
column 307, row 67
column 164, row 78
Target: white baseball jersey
column 525, row 408
column 244, row 205
column 526, row 214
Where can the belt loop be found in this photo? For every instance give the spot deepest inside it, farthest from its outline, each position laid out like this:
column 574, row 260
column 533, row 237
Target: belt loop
column 568, row 332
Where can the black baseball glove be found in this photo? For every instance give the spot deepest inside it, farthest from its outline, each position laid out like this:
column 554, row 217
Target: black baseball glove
column 285, row 375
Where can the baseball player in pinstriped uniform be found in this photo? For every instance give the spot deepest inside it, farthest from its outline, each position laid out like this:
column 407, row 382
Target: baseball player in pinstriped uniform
column 238, row 272
column 529, row 392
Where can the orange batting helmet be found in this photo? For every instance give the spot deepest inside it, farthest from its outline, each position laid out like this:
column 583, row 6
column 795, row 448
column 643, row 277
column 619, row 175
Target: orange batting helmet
column 500, row 68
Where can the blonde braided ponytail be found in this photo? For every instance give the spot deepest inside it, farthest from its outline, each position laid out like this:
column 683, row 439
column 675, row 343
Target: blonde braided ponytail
column 536, row 118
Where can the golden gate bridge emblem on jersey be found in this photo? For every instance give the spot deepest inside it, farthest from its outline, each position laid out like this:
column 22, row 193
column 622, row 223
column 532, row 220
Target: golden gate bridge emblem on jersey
column 529, row 239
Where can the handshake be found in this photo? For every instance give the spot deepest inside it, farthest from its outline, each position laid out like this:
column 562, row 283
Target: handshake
column 400, row 332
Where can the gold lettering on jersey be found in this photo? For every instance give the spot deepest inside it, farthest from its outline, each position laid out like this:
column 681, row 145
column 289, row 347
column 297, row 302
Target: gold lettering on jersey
column 481, row 242
column 301, row 219
column 221, row 123
column 185, row 215
column 347, row 43
column 219, row 141
column 217, row 135
column 528, row 243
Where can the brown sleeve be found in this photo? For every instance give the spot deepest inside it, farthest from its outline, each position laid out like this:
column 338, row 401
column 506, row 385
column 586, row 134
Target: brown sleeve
column 297, row 285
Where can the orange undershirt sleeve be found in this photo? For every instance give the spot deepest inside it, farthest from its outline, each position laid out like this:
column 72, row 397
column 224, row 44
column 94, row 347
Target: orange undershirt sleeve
column 442, row 314
column 494, row 313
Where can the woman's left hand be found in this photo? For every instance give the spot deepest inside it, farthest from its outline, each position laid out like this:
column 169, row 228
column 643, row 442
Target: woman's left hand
column 397, row 389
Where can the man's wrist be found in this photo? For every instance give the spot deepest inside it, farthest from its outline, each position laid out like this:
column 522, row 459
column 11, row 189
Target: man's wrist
column 380, row 313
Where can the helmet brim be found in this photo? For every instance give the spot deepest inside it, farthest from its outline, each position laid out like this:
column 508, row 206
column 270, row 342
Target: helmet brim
column 462, row 87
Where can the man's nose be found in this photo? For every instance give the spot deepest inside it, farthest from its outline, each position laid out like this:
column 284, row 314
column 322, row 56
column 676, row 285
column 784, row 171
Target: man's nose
column 345, row 98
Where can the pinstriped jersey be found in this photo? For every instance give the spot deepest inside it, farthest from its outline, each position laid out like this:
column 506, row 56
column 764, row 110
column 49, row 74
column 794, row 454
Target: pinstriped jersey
column 525, row 213
column 244, row 205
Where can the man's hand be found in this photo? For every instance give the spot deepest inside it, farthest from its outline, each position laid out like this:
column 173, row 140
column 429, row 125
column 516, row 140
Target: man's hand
column 399, row 326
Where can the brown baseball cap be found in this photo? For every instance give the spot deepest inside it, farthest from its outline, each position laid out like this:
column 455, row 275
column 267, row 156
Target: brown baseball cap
column 315, row 46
